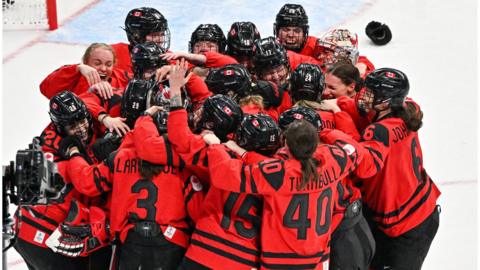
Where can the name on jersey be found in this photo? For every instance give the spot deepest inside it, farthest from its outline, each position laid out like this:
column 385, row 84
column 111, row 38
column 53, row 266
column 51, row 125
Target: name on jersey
column 132, row 166
column 400, row 133
column 325, row 178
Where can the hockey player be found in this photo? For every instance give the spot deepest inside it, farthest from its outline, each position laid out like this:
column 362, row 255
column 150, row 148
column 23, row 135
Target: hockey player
column 150, row 215
column 207, row 38
column 306, row 87
column 291, row 29
column 141, row 25
column 71, row 123
column 96, row 73
column 231, row 80
column 400, row 200
column 291, row 185
column 240, row 41
column 342, row 79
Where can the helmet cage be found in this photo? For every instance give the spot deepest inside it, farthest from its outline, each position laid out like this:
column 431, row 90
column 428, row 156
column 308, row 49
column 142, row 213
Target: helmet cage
column 208, row 32
column 66, row 109
column 241, row 38
column 141, row 22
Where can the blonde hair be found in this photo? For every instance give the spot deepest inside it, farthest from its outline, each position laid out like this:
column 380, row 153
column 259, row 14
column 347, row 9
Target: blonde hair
column 253, row 99
column 95, row 46
column 311, row 104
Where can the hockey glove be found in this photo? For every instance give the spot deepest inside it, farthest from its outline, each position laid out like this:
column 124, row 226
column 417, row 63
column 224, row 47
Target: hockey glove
column 67, row 143
column 379, row 33
column 106, row 145
column 83, row 231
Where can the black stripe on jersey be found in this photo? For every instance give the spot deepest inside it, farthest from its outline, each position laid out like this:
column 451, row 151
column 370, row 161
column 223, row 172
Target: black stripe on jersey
column 196, row 157
column 97, row 178
column 168, row 149
column 243, row 179
column 41, row 216
column 110, row 161
column 36, row 225
column 227, row 242
column 189, row 196
column 289, row 266
column 412, row 210
column 341, row 193
column 292, row 255
column 205, row 161
column 397, row 212
column 224, row 253
column 252, row 181
column 181, row 164
column 378, row 155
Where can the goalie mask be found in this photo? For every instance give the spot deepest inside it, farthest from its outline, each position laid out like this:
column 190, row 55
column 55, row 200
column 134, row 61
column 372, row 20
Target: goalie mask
column 337, row 45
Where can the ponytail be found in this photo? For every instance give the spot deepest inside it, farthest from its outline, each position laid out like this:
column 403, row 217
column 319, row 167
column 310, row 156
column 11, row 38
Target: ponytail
column 411, row 115
column 302, row 140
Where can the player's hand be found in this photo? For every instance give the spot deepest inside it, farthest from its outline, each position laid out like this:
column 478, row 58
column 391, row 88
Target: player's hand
column 209, row 137
column 177, row 77
column 173, row 55
column 162, row 73
column 232, row 145
column 116, row 124
column 330, row 105
column 70, row 145
column 103, row 88
column 89, row 73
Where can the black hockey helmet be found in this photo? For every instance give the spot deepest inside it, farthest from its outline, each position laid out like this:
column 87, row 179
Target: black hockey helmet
column 208, row 32
column 143, row 21
column 146, row 56
column 258, row 132
column 291, row 15
column 230, row 80
column 241, row 37
column 299, row 113
column 378, row 32
column 271, row 93
column 268, row 54
column 67, row 109
column 135, row 99
column 388, row 85
column 160, row 119
column 307, row 82
column 221, row 115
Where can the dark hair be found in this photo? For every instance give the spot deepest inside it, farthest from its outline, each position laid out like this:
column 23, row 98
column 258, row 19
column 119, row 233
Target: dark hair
column 149, row 170
column 410, row 114
column 302, row 140
column 347, row 73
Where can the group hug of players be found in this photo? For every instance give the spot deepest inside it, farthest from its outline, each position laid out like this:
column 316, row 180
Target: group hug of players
column 284, row 152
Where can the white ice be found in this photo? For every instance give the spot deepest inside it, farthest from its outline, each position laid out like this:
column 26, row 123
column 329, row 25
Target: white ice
column 434, row 43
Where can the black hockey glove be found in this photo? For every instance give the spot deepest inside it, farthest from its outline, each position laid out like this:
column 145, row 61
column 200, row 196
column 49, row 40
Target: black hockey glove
column 378, row 32
column 106, row 145
column 69, row 142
